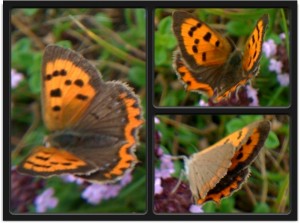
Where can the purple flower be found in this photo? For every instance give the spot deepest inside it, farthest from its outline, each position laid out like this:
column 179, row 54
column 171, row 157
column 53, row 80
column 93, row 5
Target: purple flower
column 16, row 78
column 269, row 48
column 275, row 65
column 95, row 193
column 196, row 208
column 156, row 120
column 70, row 178
column 126, row 179
column 252, row 95
column 45, row 201
column 283, row 79
column 282, row 36
column 158, row 189
column 166, row 167
column 159, row 151
column 203, row 103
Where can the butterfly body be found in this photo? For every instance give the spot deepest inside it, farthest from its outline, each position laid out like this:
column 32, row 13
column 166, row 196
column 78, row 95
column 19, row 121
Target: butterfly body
column 71, row 139
column 93, row 124
column 209, row 63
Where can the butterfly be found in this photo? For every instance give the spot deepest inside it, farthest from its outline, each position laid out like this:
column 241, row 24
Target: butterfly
column 221, row 169
column 206, row 62
column 93, row 124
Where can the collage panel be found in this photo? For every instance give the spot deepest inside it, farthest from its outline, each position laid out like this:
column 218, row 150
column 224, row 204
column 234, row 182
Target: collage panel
column 78, row 111
column 222, row 57
column 234, row 164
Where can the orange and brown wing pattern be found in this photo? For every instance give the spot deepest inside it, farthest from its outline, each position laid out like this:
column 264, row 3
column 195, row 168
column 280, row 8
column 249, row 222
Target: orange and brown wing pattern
column 51, row 161
column 188, row 79
column 226, row 93
column 248, row 142
column 70, row 84
column 253, row 48
column 126, row 118
column 199, row 44
column 249, row 150
column 227, row 185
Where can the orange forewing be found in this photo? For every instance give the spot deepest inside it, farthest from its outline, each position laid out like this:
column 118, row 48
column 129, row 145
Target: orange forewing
column 253, row 47
column 199, row 43
column 67, row 93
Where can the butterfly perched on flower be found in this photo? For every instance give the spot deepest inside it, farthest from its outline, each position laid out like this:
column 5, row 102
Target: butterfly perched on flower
column 209, row 63
column 93, row 124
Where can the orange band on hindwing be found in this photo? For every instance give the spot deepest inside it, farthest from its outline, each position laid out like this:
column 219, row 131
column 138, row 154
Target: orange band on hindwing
column 134, row 121
column 187, row 78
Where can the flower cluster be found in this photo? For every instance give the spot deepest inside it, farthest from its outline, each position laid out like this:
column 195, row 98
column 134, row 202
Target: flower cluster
column 45, row 201
column 70, row 178
column 95, row 193
column 244, row 96
column 279, row 62
column 171, row 195
column 23, row 191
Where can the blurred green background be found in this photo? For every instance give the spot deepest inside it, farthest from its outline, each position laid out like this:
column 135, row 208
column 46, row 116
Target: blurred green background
column 169, row 91
column 267, row 188
column 110, row 38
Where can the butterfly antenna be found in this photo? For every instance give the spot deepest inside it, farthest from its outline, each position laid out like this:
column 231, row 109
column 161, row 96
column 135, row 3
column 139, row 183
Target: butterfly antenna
column 182, row 173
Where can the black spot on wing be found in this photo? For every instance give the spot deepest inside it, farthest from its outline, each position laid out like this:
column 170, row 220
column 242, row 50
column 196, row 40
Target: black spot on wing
column 195, row 50
column 79, row 83
column 68, row 82
column 55, row 93
column 81, row 97
column 48, row 77
column 56, row 108
column 55, row 73
column 207, row 36
column 204, row 56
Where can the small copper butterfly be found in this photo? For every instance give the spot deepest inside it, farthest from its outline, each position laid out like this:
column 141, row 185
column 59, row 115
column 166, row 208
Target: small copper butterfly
column 221, row 169
column 206, row 62
column 93, row 124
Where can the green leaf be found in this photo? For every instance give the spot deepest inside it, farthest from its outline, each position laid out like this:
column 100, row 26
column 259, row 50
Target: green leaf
column 30, row 11
column 237, row 28
column 21, row 54
column 35, row 73
column 209, row 207
column 272, row 141
column 227, row 205
column 140, row 15
column 165, row 25
column 234, row 124
column 58, row 30
column 261, row 208
column 137, row 75
column 161, row 56
column 103, row 19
